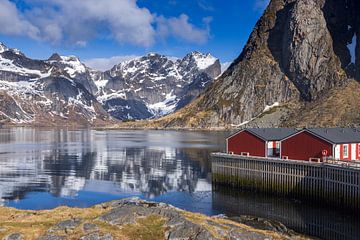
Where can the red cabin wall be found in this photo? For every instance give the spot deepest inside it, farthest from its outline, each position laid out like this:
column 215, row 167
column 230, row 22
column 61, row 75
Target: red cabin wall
column 303, row 146
column 246, row 142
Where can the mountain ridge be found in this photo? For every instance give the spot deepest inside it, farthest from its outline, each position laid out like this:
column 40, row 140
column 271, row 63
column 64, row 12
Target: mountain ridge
column 63, row 90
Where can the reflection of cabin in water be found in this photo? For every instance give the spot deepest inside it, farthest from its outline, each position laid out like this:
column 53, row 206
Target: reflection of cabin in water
column 260, row 142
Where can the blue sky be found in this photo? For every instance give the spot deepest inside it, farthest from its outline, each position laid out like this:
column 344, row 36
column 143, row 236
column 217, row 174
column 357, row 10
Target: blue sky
column 116, row 29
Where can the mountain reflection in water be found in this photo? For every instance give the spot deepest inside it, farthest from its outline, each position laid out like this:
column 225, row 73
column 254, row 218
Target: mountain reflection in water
column 66, row 162
column 42, row 169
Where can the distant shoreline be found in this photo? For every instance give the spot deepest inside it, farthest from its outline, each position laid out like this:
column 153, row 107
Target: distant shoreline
column 118, row 127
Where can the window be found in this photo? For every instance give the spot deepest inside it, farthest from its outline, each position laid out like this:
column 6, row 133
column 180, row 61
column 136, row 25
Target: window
column 346, row 150
column 359, row 150
column 277, row 148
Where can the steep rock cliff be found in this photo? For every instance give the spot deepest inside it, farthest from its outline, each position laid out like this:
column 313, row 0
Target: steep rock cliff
column 299, row 52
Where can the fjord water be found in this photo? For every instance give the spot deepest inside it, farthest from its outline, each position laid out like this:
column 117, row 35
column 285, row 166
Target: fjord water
column 46, row 168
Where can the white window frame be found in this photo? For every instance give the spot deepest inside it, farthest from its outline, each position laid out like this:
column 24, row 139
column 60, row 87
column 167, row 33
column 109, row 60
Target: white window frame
column 347, row 150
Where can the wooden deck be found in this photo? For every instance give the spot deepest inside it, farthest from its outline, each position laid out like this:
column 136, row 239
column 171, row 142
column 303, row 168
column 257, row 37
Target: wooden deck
column 332, row 183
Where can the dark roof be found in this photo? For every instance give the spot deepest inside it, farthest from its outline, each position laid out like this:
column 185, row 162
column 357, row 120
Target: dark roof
column 269, row 134
column 337, row 135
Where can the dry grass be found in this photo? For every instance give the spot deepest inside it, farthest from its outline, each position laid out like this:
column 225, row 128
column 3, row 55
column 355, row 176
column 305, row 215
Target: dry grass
column 33, row 224
column 151, row 227
column 339, row 107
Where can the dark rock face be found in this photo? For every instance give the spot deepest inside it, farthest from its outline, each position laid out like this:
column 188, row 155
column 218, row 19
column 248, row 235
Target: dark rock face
column 298, row 51
column 307, row 53
column 255, row 79
column 124, row 109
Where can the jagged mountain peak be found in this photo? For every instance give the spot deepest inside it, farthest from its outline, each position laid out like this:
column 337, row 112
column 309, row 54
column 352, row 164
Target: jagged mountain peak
column 55, row 57
column 70, row 58
column 71, row 64
column 3, row 47
column 202, row 61
column 62, row 58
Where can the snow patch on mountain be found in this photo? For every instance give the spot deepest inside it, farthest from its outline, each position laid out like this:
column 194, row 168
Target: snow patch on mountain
column 3, row 48
column 164, row 107
column 112, row 95
column 204, row 62
column 72, row 64
column 9, row 66
column 101, row 83
column 352, row 48
column 269, row 107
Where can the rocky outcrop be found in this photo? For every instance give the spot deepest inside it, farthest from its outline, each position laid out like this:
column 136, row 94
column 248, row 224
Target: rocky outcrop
column 298, row 52
column 129, row 219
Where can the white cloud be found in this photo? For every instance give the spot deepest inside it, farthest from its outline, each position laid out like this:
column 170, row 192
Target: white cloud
column 104, row 64
column 12, row 23
column 180, row 27
column 205, row 5
column 79, row 21
column 260, row 5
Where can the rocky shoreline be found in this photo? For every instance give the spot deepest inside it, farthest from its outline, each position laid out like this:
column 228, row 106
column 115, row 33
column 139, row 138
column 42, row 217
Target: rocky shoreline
column 131, row 219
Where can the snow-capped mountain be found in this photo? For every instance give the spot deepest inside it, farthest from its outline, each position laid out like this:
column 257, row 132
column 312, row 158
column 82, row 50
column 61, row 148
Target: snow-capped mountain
column 63, row 90
column 39, row 92
column 155, row 85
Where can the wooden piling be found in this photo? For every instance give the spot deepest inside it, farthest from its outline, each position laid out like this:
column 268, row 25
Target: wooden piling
column 324, row 182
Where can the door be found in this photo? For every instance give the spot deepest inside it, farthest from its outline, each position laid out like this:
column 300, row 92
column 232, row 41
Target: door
column 353, row 152
column 337, row 152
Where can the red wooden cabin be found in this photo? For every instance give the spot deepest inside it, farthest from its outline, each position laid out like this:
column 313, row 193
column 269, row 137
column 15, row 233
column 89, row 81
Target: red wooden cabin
column 317, row 143
column 260, row 142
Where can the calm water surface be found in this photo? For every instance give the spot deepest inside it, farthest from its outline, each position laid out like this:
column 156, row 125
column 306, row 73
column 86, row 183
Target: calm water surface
column 43, row 169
